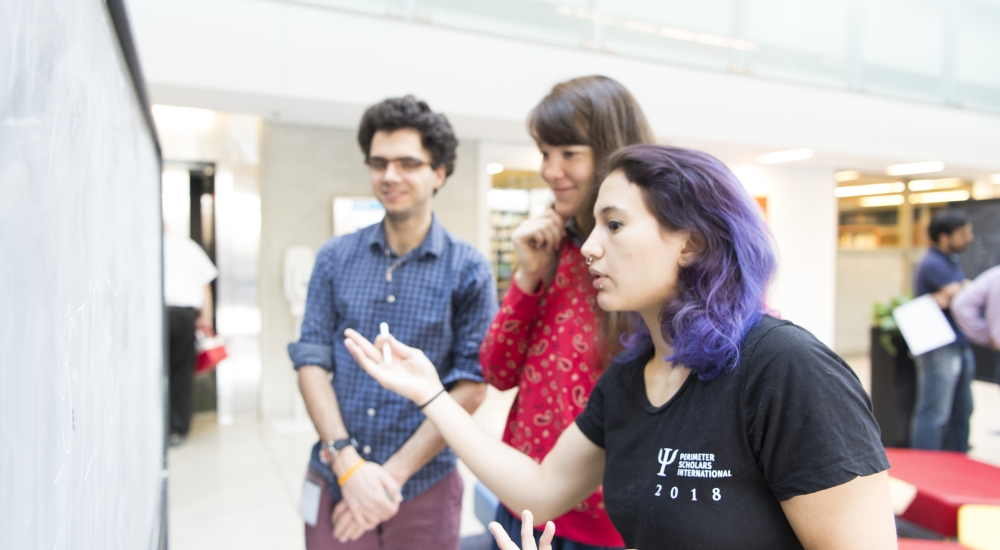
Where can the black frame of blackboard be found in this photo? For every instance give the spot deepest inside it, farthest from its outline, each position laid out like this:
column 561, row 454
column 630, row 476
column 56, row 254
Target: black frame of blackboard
column 123, row 30
column 119, row 18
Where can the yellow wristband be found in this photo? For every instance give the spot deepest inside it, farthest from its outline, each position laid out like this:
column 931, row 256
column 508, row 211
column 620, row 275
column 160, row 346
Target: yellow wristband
column 350, row 471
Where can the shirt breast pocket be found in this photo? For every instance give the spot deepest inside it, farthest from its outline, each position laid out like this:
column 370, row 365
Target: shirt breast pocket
column 432, row 316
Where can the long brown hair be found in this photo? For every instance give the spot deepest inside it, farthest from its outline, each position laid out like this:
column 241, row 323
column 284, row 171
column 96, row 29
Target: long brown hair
column 595, row 111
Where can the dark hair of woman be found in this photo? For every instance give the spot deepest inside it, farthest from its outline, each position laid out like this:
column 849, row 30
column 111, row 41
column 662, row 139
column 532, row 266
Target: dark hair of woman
column 595, row 111
column 436, row 134
column 720, row 295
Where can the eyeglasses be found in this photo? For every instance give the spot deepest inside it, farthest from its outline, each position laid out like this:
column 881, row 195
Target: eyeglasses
column 403, row 164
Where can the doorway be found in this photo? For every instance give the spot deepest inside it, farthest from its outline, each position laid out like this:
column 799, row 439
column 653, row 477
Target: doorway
column 189, row 211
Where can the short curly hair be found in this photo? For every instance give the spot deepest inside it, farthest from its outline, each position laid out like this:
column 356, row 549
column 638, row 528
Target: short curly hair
column 436, row 134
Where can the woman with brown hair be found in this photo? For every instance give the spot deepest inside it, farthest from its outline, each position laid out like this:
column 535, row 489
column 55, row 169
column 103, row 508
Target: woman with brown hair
column 547, row 340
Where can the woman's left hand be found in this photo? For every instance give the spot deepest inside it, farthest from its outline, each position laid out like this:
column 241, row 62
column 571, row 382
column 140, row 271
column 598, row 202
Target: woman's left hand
column 527, row 535
column 410, row 373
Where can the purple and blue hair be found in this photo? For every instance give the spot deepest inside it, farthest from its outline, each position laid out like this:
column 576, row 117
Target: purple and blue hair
column 721, row 293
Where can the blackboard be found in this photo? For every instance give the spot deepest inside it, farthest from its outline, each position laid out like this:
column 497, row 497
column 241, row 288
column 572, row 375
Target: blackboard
column 984, row 252
column 81, row 296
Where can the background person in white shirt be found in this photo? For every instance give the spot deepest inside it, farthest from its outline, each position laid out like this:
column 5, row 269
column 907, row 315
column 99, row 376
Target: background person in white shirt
column 976, row 309
column 187, row 272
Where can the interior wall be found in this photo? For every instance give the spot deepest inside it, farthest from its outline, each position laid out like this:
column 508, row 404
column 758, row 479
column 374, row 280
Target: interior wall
column 802, row 215
column 302, row 170
column 461, row 203
column 81, row 328
column 863, row 278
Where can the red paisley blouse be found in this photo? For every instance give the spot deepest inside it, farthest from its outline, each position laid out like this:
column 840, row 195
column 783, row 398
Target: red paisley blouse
column 544, row 344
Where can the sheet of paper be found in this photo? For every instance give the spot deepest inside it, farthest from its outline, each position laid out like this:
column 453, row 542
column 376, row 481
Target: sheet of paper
column 923, row 324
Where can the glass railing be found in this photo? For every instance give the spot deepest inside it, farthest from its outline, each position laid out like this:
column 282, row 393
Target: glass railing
column 938, row 51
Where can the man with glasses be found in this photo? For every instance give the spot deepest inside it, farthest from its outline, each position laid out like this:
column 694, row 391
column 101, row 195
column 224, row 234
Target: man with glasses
column 381, row 475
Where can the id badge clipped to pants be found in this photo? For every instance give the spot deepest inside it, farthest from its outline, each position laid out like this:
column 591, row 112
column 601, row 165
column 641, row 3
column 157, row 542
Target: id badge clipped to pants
column 311, row 494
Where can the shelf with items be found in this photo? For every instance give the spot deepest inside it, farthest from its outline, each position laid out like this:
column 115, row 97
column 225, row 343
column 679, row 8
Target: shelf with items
column 881, row 212
column 867, row 237
column 516, row 195
column 502, row 249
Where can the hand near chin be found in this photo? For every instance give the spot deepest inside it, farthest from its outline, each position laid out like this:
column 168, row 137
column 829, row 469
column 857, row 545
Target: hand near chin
column 410, row 373
column 527, row 535
column 536, row 242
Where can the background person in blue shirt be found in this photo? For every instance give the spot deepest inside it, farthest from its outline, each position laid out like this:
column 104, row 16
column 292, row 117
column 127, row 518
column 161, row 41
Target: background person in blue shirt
column 383, row 471
column 944, row 376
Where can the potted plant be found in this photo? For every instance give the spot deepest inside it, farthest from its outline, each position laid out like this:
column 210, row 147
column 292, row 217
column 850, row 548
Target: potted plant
column 893, row 375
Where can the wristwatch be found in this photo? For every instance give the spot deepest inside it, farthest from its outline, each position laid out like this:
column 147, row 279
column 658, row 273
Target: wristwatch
column 329, row 450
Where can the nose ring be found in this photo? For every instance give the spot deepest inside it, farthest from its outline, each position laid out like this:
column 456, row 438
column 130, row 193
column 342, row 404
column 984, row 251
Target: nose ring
column 590, row 260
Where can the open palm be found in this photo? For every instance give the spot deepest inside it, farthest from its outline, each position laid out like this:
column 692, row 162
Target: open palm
column 410, row 373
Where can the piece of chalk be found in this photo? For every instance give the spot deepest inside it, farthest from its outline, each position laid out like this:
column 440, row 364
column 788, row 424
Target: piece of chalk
column 383, row 329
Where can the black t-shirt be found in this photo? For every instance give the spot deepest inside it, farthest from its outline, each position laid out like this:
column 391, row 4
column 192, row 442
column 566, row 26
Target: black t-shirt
column 708, row 468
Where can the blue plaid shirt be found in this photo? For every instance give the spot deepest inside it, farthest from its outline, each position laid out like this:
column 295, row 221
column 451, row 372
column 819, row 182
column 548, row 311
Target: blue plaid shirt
column 441, row 299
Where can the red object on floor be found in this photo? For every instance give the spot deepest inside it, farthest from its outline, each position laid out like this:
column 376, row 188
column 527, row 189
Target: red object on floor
column 919, row 544
column 944, row 481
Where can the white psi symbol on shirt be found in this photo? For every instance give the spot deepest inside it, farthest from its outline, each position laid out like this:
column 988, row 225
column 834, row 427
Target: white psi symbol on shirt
column 666, row 457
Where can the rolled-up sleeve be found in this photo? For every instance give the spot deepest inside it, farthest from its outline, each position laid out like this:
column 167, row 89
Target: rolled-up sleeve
column 474, row 308
column 315, row 346
column 304, row 353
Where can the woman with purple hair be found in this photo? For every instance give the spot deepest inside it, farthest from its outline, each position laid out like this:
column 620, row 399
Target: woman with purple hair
column 719, row 426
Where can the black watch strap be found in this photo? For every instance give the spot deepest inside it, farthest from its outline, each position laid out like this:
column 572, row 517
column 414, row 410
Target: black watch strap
column 330, row 449
column 341, row 443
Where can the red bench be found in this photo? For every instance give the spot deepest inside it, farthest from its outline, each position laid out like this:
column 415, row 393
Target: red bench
column 944, row 482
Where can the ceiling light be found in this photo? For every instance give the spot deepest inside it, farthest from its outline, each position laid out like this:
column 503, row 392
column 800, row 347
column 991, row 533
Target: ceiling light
column 786, row 156
column 494, row 168
column 869, row 189
column 939, row 196
column 915, row 168
column 882, row 200
column 995, row 178
column 847, row 175
column 509, row 200
column 930, row 185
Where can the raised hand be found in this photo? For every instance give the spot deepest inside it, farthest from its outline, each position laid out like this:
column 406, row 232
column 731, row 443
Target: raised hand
column 527, row 535
column 410, row 374
column 536, row 242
